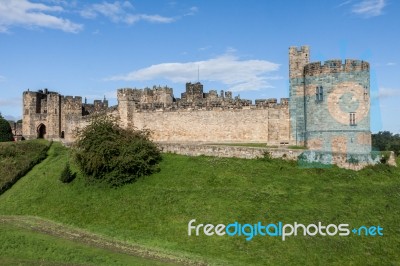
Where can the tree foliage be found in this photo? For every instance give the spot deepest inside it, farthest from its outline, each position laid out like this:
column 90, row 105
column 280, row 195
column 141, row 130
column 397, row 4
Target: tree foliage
column 66, row 175
column 108, row 153
column 386, row 141
column 5, row 130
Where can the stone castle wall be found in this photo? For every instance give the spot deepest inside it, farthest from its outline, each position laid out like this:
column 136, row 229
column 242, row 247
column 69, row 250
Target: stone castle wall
column 203, row 117
column 219, row 126
column 327, row 111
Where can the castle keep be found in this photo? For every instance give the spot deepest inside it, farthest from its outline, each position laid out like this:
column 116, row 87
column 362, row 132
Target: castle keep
column 327, row 110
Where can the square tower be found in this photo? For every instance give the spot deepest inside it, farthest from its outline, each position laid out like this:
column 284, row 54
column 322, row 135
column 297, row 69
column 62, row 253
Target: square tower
column 298, row 59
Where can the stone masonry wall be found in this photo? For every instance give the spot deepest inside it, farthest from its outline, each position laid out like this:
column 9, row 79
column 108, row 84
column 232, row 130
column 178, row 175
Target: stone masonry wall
column 269, row 125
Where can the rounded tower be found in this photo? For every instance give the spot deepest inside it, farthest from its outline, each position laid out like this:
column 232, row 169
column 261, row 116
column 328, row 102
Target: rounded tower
column 337, row 106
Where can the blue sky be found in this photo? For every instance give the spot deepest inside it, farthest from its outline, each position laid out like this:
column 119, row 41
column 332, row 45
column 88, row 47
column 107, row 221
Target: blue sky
column 92, row 48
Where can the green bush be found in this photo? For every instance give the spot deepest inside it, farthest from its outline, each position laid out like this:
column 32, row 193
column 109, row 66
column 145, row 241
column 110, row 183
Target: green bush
column 66, row 175
column 108, row 153
column 5, row 130
column 266, row 156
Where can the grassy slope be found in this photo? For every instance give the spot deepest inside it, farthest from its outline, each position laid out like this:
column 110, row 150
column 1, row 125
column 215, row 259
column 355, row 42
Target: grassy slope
column 154, row 211
column 18, row 156
column 26, row 247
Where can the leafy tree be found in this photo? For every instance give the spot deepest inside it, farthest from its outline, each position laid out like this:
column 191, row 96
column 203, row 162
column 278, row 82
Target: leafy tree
column 108, row 153
column 5, row 130
column 386, row 141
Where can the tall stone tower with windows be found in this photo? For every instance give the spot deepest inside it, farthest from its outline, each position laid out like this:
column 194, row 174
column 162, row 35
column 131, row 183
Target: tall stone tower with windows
column 329, row 103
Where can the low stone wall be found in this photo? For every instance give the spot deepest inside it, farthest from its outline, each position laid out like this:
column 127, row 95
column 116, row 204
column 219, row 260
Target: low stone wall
column 228, row 151
column 308, row 158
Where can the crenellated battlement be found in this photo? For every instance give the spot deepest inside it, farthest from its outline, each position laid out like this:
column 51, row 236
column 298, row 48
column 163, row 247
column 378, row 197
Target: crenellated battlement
column 335, row 66
column 72, row 98
column 272, row 102
column 162, row 99
column 299, row 50
column 157, row 94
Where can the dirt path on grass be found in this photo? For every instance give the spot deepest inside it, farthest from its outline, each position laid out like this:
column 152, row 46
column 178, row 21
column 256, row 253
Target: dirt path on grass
column 48, row 227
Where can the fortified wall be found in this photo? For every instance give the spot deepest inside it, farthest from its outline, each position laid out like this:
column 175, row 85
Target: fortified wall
column 203, row 117
column 328, row 110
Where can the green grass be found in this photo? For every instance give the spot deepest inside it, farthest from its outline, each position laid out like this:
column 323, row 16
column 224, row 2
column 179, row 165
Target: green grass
column 17, row 158
column 154, row 211
column 26, row 247
column 294, row 147
column 257, row 145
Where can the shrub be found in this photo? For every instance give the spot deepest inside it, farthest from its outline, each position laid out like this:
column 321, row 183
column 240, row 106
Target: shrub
column 385, row 155
column 66, row 175
column 5, row 130
column 108, row 153
column 266, row 156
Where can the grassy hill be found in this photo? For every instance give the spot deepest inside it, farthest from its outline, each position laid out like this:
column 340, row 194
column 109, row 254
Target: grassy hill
column 154, row 212
column 22, row 246
column 17, row 158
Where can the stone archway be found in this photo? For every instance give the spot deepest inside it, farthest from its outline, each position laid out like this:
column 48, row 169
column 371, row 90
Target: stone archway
column 41, row 131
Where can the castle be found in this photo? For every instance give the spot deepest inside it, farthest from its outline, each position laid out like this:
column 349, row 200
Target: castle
column 327, row 109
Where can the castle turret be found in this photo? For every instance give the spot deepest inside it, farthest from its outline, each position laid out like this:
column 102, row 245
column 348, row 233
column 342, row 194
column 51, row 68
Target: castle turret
column 127, row 98
column 298, row 59
column 337, row 100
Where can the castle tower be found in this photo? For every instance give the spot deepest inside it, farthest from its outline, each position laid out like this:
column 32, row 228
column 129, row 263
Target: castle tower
column 337, row 106
column 53, row 115
column 127, row 99
column 71, row 114
column 194, row 92
column 31, row 106
column 298, row 59
column 41, row 115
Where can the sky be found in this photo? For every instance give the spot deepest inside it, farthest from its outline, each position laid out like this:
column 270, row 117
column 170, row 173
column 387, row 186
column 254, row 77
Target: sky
column 92, row 48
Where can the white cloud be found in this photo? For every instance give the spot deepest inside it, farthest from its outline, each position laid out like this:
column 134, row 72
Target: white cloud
column 119, row 12
column 2, row 78
column 28, row 14
column 131, row 19
column 192, row 11
column 369, row 8
column 344, row 3
column 391, row 64
column 239, row 75
column 388, row 92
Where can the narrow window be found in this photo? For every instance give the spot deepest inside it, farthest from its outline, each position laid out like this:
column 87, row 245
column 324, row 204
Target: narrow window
column 365, row 93
column 352, row 119
column 319, row 94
